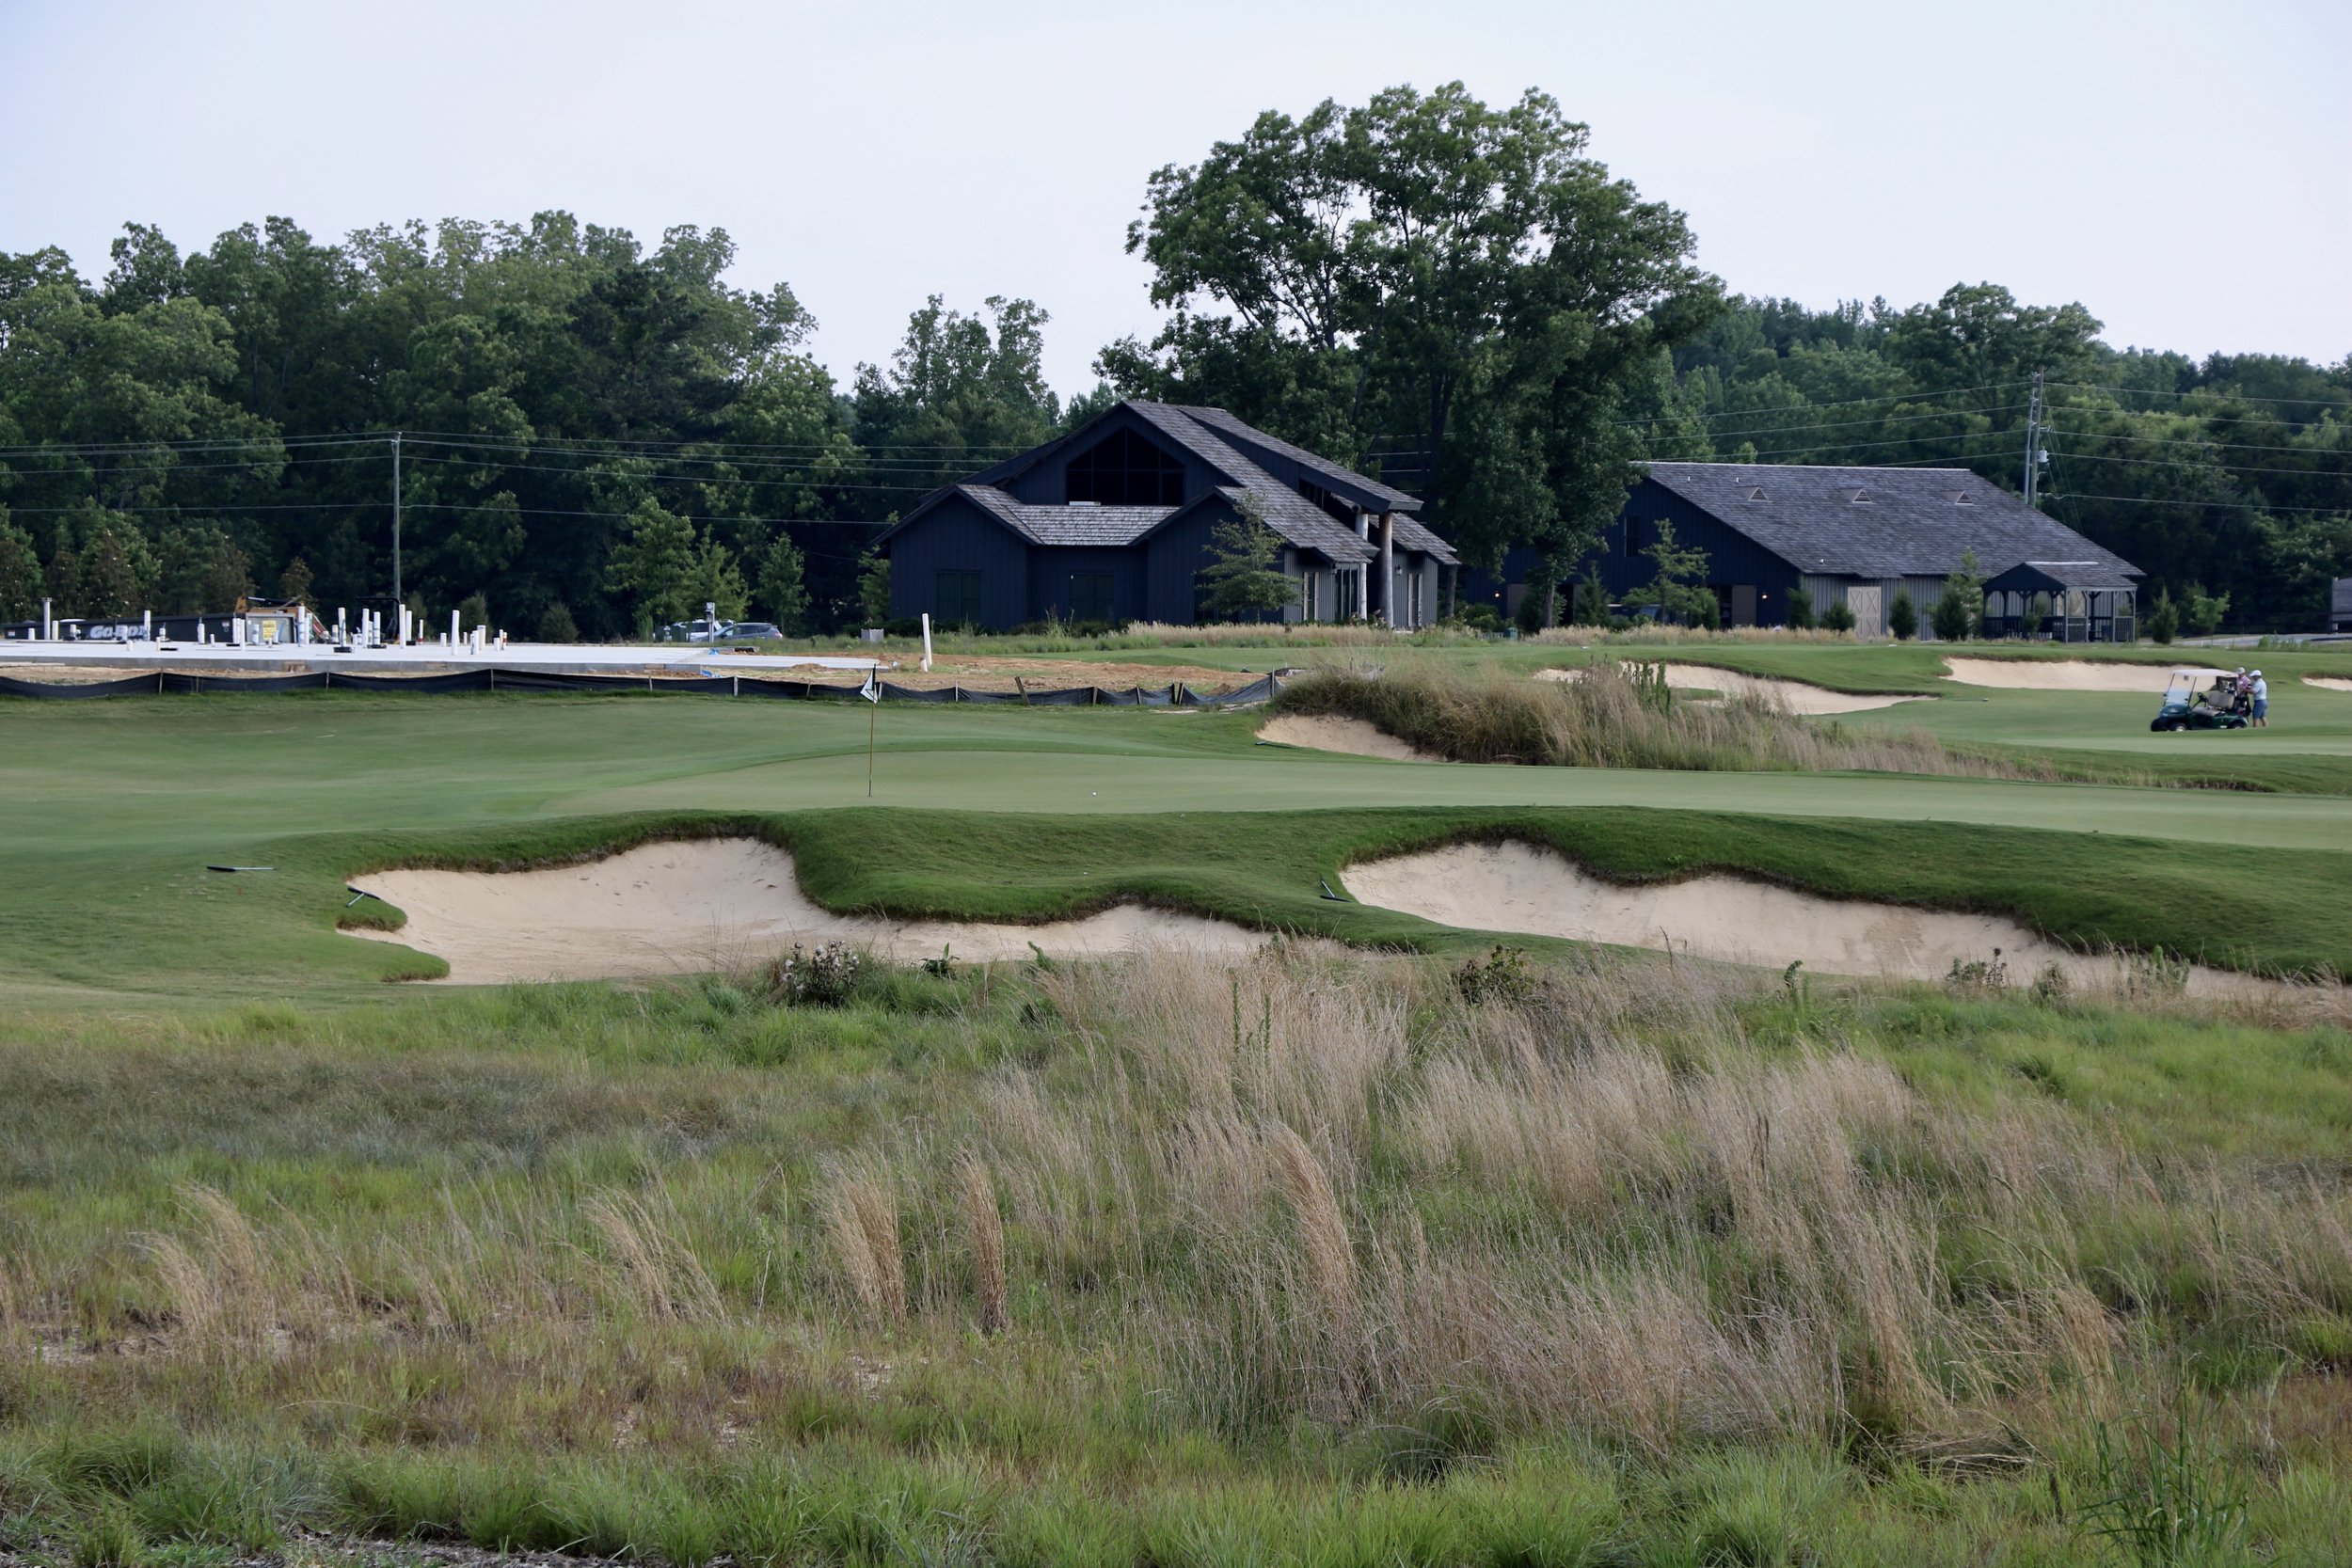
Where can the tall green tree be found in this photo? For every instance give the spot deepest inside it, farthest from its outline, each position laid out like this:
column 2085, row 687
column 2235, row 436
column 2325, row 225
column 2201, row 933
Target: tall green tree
column 20, row 572
column 1454, row 293
column 782, row 584
column 655, row 565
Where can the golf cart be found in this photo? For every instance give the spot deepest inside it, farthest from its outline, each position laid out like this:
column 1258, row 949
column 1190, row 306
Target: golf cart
column 2186, row 707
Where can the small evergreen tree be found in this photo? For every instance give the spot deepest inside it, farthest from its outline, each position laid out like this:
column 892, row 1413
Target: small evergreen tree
column 2201, row 613
column 1838, row 617
column 19, row 574
column 293, row 583
column 1801, row 610
column 2164, row 621
column 1902, row 617
column 1950, row 617
column 1676, row 587
column 472, row 611
column 873, row 590
column 64, row 576
column 783, row 585
column 557, row 625
column 716, row 580
column 1961, row 609
column 1244, row 578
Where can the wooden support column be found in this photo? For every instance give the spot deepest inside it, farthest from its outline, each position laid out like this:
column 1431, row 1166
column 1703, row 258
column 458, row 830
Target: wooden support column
column 1387, row 569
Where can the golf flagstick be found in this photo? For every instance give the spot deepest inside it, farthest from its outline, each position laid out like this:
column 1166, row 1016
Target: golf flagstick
column 872, row 693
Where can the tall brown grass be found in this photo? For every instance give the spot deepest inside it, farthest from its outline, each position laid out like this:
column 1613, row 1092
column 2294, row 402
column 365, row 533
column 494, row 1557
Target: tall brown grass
column 1611, row 718
column 1301, row 1188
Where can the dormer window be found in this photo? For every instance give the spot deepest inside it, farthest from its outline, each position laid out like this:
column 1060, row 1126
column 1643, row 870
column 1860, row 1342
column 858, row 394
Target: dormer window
column 1756, row 493
column 1963, row 498
column 1124, row 469
column 1860, row 497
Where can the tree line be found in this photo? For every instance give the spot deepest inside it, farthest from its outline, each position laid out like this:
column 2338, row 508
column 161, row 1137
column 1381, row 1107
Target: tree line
column 597, row 436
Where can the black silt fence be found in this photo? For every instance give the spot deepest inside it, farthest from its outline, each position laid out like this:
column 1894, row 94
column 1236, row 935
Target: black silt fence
column 1255, row 692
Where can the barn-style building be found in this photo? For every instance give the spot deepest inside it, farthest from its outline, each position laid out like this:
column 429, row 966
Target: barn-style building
column 1859, row 537
column 1111, row 522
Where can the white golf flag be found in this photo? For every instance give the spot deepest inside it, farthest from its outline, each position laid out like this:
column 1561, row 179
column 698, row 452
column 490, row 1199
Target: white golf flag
column 870, row 692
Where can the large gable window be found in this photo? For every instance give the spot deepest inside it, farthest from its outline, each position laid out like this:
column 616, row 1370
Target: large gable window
column 1124, row 469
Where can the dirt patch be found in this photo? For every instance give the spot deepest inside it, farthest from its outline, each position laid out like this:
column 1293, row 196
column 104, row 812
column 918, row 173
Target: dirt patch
column 2068, row 674
column 711, row 905
column 1356, row 736
column 1796, row 696
column 983, row 674
column 1517, row 887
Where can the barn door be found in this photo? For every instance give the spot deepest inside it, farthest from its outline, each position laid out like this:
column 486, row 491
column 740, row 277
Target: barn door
column 1868, row 619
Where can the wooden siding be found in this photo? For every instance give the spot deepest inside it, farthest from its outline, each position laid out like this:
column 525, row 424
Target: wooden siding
column 1046, row 484
column 1052, row 566
column 956, row 535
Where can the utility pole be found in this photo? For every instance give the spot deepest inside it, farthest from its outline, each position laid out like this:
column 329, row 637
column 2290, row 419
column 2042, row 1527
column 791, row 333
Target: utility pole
column 2033, row 442
column 397, row 599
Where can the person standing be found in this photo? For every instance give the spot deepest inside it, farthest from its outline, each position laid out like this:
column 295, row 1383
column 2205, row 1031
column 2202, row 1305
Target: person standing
column 2262, row 701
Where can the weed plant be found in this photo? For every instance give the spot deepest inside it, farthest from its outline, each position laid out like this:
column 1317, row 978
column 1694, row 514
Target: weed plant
column 1309, row 1257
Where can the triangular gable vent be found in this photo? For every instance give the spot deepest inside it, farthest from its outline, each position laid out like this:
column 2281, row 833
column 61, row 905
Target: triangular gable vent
column 1860, row 497
column 1963, row 498
column 1756, row 493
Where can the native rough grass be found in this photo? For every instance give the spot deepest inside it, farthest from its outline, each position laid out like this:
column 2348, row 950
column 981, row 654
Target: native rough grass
column 668, row 1273
column 1621, row 716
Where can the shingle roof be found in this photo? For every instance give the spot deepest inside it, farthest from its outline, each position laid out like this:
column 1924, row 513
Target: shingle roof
column 1217, row 439
column 1250, row 435
column 1908, row 522
column 1068, row 525
column 2065, row 574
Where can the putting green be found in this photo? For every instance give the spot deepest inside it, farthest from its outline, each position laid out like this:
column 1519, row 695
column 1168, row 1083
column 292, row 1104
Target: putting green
column 110, row 811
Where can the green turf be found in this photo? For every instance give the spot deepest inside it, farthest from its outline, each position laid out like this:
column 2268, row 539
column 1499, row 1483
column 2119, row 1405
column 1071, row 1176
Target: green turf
column 110, row 811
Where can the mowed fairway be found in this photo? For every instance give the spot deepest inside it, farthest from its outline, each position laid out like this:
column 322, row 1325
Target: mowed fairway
column 110, row 811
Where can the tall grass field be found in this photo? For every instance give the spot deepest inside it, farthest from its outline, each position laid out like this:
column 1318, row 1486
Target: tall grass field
column 1391, row 1244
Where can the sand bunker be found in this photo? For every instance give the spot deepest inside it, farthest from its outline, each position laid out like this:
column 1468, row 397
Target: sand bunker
column 1516, row 887
column 2332, row 682
column 2068, row 674
column 707, row 905
column 1355, row 737
column 1796, row 696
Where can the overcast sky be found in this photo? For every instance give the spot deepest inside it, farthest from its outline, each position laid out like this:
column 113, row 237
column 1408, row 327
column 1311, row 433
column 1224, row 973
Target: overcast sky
column 2181, row 169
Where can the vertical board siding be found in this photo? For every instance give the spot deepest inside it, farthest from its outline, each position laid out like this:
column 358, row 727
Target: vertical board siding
column 954, row 536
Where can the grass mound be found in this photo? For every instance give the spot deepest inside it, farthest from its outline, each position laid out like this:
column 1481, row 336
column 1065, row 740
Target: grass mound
column 1612, row 716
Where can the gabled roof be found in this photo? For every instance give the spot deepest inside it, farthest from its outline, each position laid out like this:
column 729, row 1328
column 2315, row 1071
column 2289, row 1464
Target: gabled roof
column 1066, row 525
column 2058, row 576
column 1882, row 522
column 1376, row 495
column 1223, row 444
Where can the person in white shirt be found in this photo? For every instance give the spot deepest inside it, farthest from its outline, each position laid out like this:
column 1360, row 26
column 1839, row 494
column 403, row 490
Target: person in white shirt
column 2262, row 701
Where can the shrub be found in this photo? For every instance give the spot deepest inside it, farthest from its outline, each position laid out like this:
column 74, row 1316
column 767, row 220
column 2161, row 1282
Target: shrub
column 1503, row 975
column 1950, row 617
column 472, row 611
column 1529, row 617
column 1978, row 976
column 1801, row 611
column 1481, row 618
column 820, row 977
column 2164, row 621
column 557, row 625
column 1838, row 617
column 1902, row 618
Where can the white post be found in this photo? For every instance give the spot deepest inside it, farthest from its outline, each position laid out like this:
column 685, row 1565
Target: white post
column 147, row 626
column 1387, row 569
column 48, row 621
column 452, row 631
column 927, row 642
